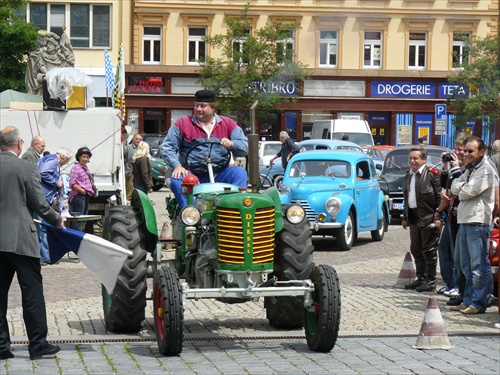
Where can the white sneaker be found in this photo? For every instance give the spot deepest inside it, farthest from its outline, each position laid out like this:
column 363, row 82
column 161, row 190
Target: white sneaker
column 453, row 292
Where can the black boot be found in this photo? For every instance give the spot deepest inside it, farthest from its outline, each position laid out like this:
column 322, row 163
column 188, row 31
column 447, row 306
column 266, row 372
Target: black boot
column 427, row 286
column 415, row 284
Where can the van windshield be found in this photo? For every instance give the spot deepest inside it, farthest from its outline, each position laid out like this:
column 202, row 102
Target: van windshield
column 362, row 139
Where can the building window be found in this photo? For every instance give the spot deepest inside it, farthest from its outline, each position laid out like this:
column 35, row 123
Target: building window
column 88, row 26
column 372, row 53
column 239, row 52
column 417, row 50
column 196, row 45
column 460, row 49
column 328, row 47
column 151, row 44
column 285, row 48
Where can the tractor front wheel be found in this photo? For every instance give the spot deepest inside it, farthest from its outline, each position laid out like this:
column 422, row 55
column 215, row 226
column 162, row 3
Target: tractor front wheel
column 168, row 311
column 125, row 308
column 322, row 319
column 294, row 261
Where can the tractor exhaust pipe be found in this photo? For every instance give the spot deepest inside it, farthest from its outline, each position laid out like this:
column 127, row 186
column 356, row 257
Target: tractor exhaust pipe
column 253, row 151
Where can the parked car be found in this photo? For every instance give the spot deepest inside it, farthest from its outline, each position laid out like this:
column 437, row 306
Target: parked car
column 276, row 172
column 159, row 168
column 393, row 173
column 494, row 254
column 339, row 192
column 268, row 150
column 376, row 156
column 384, row 149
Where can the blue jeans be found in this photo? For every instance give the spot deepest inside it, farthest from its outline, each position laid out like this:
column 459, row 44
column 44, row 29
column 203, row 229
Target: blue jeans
column 141, row 188
column 446, row 250
column 231, row 175
column 43, row 245
column 475, row 265
column 79, row 204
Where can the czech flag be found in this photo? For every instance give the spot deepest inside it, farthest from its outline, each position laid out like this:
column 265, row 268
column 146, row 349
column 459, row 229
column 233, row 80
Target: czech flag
column 105, row 259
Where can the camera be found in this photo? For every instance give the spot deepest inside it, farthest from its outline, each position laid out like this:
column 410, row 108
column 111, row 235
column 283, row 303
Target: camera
column 447, row 157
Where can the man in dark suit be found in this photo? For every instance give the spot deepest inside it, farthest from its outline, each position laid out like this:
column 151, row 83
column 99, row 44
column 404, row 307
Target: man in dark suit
column 422, row 196
column 21, row 195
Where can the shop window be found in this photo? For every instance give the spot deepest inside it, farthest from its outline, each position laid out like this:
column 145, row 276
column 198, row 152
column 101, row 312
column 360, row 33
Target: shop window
column 151, row 43
column 196, row 45
column 460, row 52
column 328, row 48
column 372, row 52
column 417, row 50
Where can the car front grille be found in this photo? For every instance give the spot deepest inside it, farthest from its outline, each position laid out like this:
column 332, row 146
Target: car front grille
column 310, row 213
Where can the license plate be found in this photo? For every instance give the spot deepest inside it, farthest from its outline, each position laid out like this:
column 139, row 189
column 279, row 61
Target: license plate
column 397, row 206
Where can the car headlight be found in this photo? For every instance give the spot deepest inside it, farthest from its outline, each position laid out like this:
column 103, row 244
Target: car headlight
column 333, row 206
column 295, row 214
column 190, row 215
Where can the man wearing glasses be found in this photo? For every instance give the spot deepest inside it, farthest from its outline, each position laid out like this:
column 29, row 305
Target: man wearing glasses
column 476, row 191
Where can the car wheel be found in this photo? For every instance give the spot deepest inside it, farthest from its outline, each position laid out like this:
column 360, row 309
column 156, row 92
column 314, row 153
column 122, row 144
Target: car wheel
column 346, row 234
column 278, row 181
column 378, row 235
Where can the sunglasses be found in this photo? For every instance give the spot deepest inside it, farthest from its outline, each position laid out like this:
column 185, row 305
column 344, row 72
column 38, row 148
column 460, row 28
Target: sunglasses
column 469, row 151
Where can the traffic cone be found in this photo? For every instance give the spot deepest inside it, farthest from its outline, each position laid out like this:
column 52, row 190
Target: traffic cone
column 165, row 232
column 407, row 274
column 432, row 334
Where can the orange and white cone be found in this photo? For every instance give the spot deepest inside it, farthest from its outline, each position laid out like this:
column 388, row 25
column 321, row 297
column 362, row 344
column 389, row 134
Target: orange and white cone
column 165, row 232
column 407, row 275
column 432, row 333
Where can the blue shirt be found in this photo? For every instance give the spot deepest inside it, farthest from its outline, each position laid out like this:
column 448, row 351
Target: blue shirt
column 50, row 172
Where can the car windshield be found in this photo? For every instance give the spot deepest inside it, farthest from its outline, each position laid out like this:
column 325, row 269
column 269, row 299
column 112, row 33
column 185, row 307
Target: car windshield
column 272, row 149
column 397, row 162
column 320, row 168
column 358, row 138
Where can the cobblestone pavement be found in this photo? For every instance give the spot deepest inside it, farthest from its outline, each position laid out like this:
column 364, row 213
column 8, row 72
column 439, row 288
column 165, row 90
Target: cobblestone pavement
column 379, row 325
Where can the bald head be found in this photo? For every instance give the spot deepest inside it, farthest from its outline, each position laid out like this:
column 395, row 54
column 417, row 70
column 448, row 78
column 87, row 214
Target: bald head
column 496, row 146
column 10, row 140
column 38, row 144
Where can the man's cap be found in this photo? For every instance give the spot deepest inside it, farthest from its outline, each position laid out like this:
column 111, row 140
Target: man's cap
column 205, row 96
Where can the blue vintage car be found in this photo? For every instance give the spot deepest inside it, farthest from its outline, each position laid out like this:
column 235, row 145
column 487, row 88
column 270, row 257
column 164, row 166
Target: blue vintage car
column 339, row 192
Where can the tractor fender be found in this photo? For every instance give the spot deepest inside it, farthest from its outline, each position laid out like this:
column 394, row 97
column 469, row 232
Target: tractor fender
column 141, row 201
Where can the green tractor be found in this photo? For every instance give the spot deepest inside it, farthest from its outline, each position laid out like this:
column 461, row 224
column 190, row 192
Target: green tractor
column 230, row 244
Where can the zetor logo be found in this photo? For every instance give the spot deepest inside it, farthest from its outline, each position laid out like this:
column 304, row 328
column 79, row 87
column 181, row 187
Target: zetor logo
column 248, row 232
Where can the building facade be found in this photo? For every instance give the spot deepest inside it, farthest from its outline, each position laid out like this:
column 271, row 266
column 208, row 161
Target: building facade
column 385, row 61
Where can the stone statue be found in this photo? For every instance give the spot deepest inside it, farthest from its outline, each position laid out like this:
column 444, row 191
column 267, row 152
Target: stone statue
column 52, row 52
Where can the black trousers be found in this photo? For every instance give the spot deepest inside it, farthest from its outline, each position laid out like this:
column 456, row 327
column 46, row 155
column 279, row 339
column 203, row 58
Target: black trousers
column 29, row 276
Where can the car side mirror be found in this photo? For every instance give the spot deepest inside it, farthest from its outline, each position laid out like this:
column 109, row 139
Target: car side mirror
column 378, row 166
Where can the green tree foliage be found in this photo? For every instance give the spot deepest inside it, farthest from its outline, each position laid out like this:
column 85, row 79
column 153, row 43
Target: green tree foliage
column 17, row 40
column 249, row 58
column 482, row 75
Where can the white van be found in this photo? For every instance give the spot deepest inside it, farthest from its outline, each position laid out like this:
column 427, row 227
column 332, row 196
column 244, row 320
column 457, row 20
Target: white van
column 358, row 131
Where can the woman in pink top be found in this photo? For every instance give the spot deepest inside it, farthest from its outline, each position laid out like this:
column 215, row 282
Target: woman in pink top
column 80, row 182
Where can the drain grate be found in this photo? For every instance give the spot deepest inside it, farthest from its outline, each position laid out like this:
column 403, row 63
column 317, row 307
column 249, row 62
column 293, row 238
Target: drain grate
column 111, row 339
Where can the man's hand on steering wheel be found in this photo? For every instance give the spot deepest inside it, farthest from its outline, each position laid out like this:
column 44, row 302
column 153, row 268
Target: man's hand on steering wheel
column 227, row 143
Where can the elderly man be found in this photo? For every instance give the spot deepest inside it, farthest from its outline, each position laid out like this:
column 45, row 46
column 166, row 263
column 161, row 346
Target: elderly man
column 21, row 195
column 128, row 155
column 476, row 191
column 288, row 149
column 35, row 152
column 191, row 131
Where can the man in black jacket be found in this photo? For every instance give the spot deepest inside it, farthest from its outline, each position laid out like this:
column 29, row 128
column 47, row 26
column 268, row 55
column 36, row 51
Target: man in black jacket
column 421, row 191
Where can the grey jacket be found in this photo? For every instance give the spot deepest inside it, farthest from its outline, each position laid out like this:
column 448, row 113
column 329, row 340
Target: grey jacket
column 21, row 194
column 476, row 191
column 31, row 155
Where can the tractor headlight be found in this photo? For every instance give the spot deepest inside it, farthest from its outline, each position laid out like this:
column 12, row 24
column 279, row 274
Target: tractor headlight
column 190, row 215
column 295, row 214
column 333, row 206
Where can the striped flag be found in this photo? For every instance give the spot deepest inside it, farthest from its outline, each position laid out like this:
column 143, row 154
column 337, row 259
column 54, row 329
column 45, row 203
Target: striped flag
column 105, row 259
column 119, row 94
column 110, row 77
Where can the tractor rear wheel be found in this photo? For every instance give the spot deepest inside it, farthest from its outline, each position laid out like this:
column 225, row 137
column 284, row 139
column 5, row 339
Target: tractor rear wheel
column 322, row 320
column 294, row 261
column 124, row 309
column 168, row 311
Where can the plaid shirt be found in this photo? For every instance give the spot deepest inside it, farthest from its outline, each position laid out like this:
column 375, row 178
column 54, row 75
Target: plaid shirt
column 80, row 175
